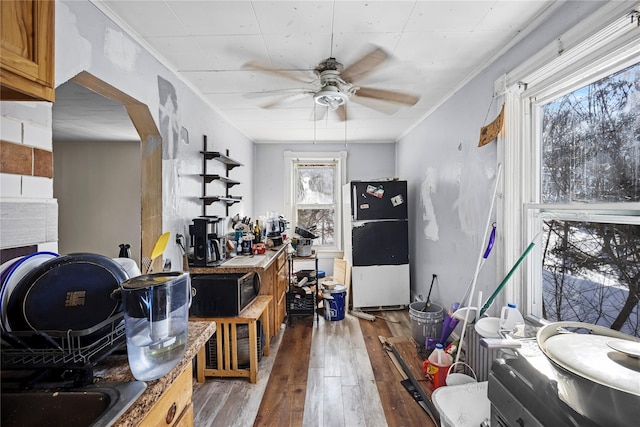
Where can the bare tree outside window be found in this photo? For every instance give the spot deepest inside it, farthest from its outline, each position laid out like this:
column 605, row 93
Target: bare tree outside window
column 316, row 199
column 591, row 154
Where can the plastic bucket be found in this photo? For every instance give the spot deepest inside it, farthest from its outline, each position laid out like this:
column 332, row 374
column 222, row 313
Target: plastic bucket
column 426, row 324
column 334, row 302
column 304, row 246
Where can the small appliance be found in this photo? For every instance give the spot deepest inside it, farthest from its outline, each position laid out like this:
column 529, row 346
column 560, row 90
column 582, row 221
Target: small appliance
column 208, row 243
column 275, row 227
column 222, row 295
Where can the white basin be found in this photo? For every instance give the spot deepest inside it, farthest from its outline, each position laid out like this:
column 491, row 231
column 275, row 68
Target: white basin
column 464, row 405
column 244, row 261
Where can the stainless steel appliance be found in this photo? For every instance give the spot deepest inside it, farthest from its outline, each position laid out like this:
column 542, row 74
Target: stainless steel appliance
column 568, row 375
column 208, row 242
column 275, row 226
column 222, row 295
column 377, row 242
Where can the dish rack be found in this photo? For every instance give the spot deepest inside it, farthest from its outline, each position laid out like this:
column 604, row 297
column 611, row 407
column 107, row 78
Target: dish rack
column 60, row 349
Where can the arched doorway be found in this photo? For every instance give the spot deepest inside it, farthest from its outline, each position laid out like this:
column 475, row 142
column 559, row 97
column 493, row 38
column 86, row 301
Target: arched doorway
column 150, row 158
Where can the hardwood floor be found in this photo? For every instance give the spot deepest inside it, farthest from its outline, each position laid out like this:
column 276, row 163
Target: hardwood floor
column 319, row 374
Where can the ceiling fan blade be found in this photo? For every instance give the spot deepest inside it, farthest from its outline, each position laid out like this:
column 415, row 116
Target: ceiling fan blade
column 376, row 104
column 341, row 111
column 285, row 100
column 292, row 75
column 265, row 93
column 364, row 65
column 388, row 95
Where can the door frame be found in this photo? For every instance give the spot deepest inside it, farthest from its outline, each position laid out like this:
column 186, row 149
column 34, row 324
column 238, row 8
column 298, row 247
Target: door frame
column 150, row 161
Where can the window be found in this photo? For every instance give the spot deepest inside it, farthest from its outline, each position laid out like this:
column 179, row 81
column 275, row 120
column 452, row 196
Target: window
column 315, row 184
column 571, row 152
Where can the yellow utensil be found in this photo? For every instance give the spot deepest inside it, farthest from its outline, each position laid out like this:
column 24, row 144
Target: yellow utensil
column 158, row 248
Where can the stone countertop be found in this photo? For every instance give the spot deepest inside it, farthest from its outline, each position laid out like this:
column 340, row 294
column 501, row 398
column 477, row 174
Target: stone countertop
column 270, row 257
column 116, row 368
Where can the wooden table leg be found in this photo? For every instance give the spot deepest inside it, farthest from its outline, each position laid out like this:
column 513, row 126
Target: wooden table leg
column 200, row 364
column 267, row 332
column 253, row 352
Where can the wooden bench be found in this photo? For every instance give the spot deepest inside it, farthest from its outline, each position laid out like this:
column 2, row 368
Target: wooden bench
column 227, row 342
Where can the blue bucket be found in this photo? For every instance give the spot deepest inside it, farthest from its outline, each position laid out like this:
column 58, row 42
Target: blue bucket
column 334, row 302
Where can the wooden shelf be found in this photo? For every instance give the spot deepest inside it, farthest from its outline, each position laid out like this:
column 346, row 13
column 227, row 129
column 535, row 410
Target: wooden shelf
column 211, row 155
column 228, row 200
column 213, row 177
column 207, row 178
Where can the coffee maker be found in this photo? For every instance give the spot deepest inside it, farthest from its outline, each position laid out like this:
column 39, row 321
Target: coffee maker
column 208, row 243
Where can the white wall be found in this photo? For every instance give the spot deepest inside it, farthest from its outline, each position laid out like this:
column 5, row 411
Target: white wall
column 364, row 161
column 451, row 179
column 97, row 185
column 88, row 41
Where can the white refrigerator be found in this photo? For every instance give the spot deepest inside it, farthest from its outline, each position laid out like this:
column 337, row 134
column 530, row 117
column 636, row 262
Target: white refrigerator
column 377, row 243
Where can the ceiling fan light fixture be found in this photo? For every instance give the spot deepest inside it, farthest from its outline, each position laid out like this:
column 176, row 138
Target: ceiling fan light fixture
column 330, row 97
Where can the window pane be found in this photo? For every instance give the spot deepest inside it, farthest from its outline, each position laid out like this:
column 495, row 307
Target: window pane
column 591, row 142
column 591, row 274
column 323, row 219
column 315, row 185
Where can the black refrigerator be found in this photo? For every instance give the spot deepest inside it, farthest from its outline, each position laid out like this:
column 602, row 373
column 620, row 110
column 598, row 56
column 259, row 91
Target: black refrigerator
column 377, row 242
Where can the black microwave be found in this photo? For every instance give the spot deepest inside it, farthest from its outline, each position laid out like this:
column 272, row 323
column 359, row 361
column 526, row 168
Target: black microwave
column 222, row 295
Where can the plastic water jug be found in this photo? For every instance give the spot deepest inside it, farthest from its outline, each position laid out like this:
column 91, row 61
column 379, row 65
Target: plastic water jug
column 510, row 316
column 156, row 313
column 439, row 363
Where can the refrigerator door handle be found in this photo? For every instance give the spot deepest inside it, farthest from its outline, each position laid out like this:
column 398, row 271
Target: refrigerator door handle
column 354, row 202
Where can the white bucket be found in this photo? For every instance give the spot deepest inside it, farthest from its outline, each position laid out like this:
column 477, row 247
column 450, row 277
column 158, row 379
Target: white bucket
column 464, row 405
column 457, row 378
column 303, row 247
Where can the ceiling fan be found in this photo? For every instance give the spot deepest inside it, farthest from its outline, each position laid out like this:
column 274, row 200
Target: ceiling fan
column 334, row 86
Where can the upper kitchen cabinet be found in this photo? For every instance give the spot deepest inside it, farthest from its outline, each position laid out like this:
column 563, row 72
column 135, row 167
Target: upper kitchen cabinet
column 27, row 50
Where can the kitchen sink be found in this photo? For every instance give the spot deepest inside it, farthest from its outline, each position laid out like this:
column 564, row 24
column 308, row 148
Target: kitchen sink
column 94, row 405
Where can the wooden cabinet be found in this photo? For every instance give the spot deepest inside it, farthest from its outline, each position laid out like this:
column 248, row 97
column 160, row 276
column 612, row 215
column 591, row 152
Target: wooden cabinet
column 174, row 408
column 27, row 50
column 282, row 284
column 274, row 282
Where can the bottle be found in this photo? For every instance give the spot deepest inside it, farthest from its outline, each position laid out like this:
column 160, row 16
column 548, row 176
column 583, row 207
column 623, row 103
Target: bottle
column 510, row 316
column 438, row 368
column 239, row 246
column 257, row 232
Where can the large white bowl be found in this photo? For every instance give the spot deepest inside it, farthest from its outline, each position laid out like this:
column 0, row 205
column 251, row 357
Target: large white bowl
column 488, row 327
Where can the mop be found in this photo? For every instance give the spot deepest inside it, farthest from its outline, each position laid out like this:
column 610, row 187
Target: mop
column 478, row 265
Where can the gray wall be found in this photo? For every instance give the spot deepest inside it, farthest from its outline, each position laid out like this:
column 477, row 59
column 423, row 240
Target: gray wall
column 451, row 179
column 97, row 185
column 364, row 161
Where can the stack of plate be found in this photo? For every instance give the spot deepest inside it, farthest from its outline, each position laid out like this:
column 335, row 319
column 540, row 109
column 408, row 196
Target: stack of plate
column 69, row 293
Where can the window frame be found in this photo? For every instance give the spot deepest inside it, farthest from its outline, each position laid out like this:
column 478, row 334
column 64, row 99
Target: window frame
column 607, row 41
column 338, row 157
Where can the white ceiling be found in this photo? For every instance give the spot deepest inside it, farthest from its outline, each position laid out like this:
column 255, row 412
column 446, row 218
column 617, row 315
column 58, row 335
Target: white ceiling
column 435, row 47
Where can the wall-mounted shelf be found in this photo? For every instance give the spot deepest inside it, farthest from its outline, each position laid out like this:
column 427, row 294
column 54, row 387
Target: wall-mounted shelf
column 228, row 200
column 211, row 155
column 208, row 178
column 213, row 177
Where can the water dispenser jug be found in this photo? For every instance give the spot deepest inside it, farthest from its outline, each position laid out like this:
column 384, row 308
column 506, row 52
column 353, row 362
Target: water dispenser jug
column 156, row 312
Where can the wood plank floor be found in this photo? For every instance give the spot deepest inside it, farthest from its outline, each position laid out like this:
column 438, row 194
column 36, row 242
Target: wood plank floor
column 319, row 374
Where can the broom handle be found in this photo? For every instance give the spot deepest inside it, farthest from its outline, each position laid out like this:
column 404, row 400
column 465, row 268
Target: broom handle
column 487, row 304
column 479, row 264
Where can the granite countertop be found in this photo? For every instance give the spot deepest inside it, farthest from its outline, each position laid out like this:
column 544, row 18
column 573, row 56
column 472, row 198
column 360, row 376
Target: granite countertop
column 269, row 257
column 116, row 368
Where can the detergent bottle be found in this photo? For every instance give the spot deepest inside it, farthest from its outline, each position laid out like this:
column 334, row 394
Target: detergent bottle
column 510, row 316
column 438, row 366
